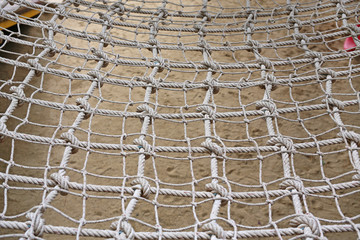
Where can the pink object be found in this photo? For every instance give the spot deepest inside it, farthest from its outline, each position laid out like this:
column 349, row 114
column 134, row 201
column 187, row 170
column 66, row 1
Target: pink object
column 349, row 44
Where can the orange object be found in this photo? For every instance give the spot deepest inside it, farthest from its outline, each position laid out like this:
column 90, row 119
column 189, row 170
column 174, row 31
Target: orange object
column 28, row 14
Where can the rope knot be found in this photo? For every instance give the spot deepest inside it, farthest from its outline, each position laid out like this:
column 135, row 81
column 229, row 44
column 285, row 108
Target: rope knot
column 350, row 136
column 212, row 147
column 3, row 131
column 18, row 92
column 123, row 228
column 216, row 229
column 61, row 9
column 249, row 26
column 266, row 105
column 255, row 45
column 203, row 44
column 96, row 74
column 334, row 103
column 342, row 11
column 162, row 12
column 52, row 25
column 198, row 27
column 296, row 184
column 204, row 13
column 101, row 55
column 106, row 38
column 149, row 80
column 327, row 72
column 143, row 185
column 292, row 21
column 70, row 138
column 281, row 141
column 35, row 65
column 313, row 54
column 144, row 145
column 75, row 2
column 52, row 46
column 301, row 36
column 265, row 61
column 145, row 80
column 153, row 42
column 216, row 188
column 62, row 181
column 107, row 19
column 37, row 224
column 210, row 65
column 159, row 63
column 118, row 7
column 85, row 106
column 307, row 220
column 270, row 79
column 206, row 110
column 146, row 110
column 213, row 84
column 292, row 9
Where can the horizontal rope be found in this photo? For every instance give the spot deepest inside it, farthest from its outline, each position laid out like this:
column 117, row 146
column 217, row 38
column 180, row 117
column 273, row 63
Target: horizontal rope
column 86, row 232
column 178, row 193
column 128, row 147
column 218, row 115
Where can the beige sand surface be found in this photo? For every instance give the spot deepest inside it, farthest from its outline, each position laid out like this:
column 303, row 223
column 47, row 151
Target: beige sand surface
column 30, row 159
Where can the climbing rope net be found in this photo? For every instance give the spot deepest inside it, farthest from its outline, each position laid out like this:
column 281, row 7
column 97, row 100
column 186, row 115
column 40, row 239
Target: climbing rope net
column 180, row 120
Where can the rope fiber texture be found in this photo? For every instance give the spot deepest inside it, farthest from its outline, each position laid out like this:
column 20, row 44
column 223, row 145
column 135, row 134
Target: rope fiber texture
column 180, row 119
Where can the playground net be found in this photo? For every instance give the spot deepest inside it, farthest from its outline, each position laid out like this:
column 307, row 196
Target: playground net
column 180, row 119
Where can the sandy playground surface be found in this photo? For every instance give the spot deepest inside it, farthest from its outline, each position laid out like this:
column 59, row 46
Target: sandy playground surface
column 176, row 171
